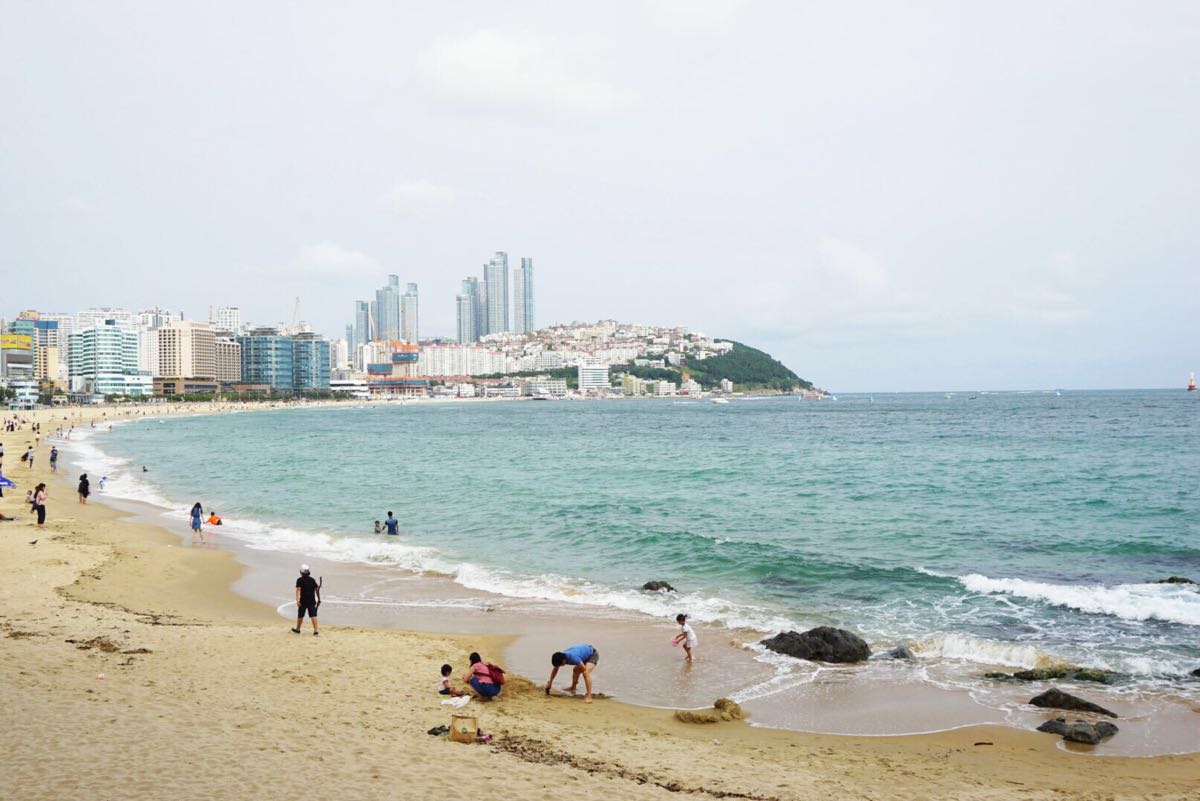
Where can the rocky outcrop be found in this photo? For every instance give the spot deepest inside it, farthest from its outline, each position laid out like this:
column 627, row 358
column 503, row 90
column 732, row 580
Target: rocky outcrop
column 1080, row 731
column 899, row 652
column 1048, row 674
column 657, row 586
column 1057, row 699
column 822, row 644
column 723, row 710
column 1174, row 580
column 1196, row 673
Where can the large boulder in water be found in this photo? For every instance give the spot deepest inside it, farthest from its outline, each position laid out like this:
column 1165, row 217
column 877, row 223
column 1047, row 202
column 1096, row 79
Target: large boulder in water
column 899, row 652
column 1080, row 731
column 822, row 644
column 1196, row 673
column 1174, row 580
column 1057, row 699
column 658, row 586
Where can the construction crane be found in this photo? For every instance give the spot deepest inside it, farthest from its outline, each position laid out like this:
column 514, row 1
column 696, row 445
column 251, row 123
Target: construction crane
column 295, row 313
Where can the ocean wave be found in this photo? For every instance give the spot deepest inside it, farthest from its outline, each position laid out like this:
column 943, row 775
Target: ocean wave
column 981, row 651
column 1167, row 602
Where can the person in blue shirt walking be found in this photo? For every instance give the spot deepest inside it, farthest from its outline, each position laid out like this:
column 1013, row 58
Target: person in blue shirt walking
column 584, row 659
column 393, row 525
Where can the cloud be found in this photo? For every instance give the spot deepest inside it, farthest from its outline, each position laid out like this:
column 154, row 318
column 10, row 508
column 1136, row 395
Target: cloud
column 1052, row 296
column 507, row 70
column 328, row 261
column 852, row 265
column 418, row 198
column 699, row 13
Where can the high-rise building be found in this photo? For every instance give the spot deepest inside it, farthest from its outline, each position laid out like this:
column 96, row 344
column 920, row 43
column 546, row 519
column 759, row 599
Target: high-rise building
column 267, row 358
column 465, row 314
column 387, row 316
column 229, row 319
column 496, row 276
column 100, row 316
column 17, row 351
column 229, row 360
column 104, row 360
column 310, row 362
column 362, row 324
column 523, row 297
column 187, row 349
column 408, row 315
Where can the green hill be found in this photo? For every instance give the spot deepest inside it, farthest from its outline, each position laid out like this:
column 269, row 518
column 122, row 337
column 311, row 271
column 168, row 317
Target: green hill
column 748, row 368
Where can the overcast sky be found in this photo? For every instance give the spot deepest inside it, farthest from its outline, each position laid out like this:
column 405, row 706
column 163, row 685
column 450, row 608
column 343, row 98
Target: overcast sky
column 886, row 196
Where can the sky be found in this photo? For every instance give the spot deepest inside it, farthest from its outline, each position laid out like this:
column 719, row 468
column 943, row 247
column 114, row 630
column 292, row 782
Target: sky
column 883, row 195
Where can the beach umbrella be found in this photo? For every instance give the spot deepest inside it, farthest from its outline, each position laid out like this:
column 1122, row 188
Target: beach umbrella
column 6, row 484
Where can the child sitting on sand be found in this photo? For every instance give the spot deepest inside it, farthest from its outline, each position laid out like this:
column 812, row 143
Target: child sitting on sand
column 444, row 687
column 686, row 635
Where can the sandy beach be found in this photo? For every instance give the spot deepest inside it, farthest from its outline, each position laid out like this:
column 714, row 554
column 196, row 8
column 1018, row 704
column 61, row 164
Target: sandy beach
column 130, row 669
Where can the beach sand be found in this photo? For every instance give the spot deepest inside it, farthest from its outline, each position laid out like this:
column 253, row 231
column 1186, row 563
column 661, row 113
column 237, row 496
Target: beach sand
column 129, row 669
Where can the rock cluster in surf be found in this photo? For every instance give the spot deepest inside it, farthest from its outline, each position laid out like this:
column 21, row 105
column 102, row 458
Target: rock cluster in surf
column 822, row 644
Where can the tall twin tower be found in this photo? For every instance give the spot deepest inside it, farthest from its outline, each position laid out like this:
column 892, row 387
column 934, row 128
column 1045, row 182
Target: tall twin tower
column 483, row 307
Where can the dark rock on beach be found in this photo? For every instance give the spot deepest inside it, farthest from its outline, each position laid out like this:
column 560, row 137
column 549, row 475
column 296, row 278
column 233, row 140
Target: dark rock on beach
column 899, row 652
column 658, row 586
column 1196, row 673
column 1048, row 674
column 1079, row 731
column 1174, row 580
column 1043, row 674
column 1057, row 699
column 822, row 644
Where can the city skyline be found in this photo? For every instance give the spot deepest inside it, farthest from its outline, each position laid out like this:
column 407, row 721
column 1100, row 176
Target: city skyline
column 932, row 201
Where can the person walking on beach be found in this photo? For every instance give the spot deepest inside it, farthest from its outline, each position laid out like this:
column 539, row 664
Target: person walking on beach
column 28, row 457
column 308, row 598
column 584, row 659
column 393, row 525
column 686, row 635
column 85, row 488
column 54, row 460
column 197, row 521
column 39, row 504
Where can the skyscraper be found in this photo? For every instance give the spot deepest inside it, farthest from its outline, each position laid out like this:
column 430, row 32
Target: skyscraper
column 470, row 316
column 496, row 276
column 387, row 301
column 362, row 324
column 229, row 318
column 409, row 328
column 523, row 297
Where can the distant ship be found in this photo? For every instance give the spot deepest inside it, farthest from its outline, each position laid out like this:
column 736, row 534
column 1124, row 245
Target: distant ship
column 1192, row 383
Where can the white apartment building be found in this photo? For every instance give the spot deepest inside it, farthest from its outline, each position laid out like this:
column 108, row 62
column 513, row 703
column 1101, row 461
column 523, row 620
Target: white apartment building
column 449, row 360
column 593, row 378
column 664, row 388
column 229, row 319
column 690, row 387
column 187, row 349
column 103, row 361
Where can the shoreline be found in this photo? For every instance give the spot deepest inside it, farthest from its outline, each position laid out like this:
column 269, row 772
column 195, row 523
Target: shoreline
column 234, row 673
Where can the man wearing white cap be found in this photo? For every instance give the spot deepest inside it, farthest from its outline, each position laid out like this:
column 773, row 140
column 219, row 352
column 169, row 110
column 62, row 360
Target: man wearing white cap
column 308, row 598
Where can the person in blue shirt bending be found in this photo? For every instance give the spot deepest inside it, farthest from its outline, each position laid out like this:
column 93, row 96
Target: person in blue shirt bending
column 583, row 658
column 393, row 525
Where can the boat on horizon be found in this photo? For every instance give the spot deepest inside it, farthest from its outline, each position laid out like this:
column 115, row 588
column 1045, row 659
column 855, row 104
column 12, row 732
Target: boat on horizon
column 1192, row 383
column 720, row 400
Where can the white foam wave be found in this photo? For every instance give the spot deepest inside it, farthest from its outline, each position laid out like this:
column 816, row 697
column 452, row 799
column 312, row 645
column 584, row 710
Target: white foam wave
column 1168, row 602
column 121, row 479
column 981, row 651
column 549, row 587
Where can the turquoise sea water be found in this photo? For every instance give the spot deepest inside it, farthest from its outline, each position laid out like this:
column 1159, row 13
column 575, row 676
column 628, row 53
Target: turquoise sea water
column 1001, row 528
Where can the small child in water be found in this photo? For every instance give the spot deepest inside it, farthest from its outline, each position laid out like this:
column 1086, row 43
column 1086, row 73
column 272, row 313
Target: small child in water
column 378, row 527
column 444, row 687
column 686, row 635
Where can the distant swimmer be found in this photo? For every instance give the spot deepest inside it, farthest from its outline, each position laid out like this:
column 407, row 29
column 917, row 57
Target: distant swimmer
column 144, row 470
column 584, row 659
column 378, row 527
column 393, row 525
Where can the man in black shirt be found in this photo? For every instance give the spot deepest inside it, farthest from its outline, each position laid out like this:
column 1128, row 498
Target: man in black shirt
column 308, row 598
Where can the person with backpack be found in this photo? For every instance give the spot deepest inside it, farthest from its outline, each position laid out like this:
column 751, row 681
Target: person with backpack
column 485, row 678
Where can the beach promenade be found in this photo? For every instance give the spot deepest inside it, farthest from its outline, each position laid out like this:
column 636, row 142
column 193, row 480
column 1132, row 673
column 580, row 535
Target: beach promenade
column 129, row 669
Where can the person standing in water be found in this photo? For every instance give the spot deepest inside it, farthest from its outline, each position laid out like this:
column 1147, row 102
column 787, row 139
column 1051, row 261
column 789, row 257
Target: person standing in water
column 197, row 521
column 308, row 598
column 686, row 635
column 393, row 525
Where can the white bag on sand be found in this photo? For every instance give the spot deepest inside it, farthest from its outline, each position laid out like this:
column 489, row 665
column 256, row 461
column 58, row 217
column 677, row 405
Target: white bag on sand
column 457, row 703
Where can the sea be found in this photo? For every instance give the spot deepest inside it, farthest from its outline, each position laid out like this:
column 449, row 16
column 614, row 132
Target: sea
column 982, row 530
